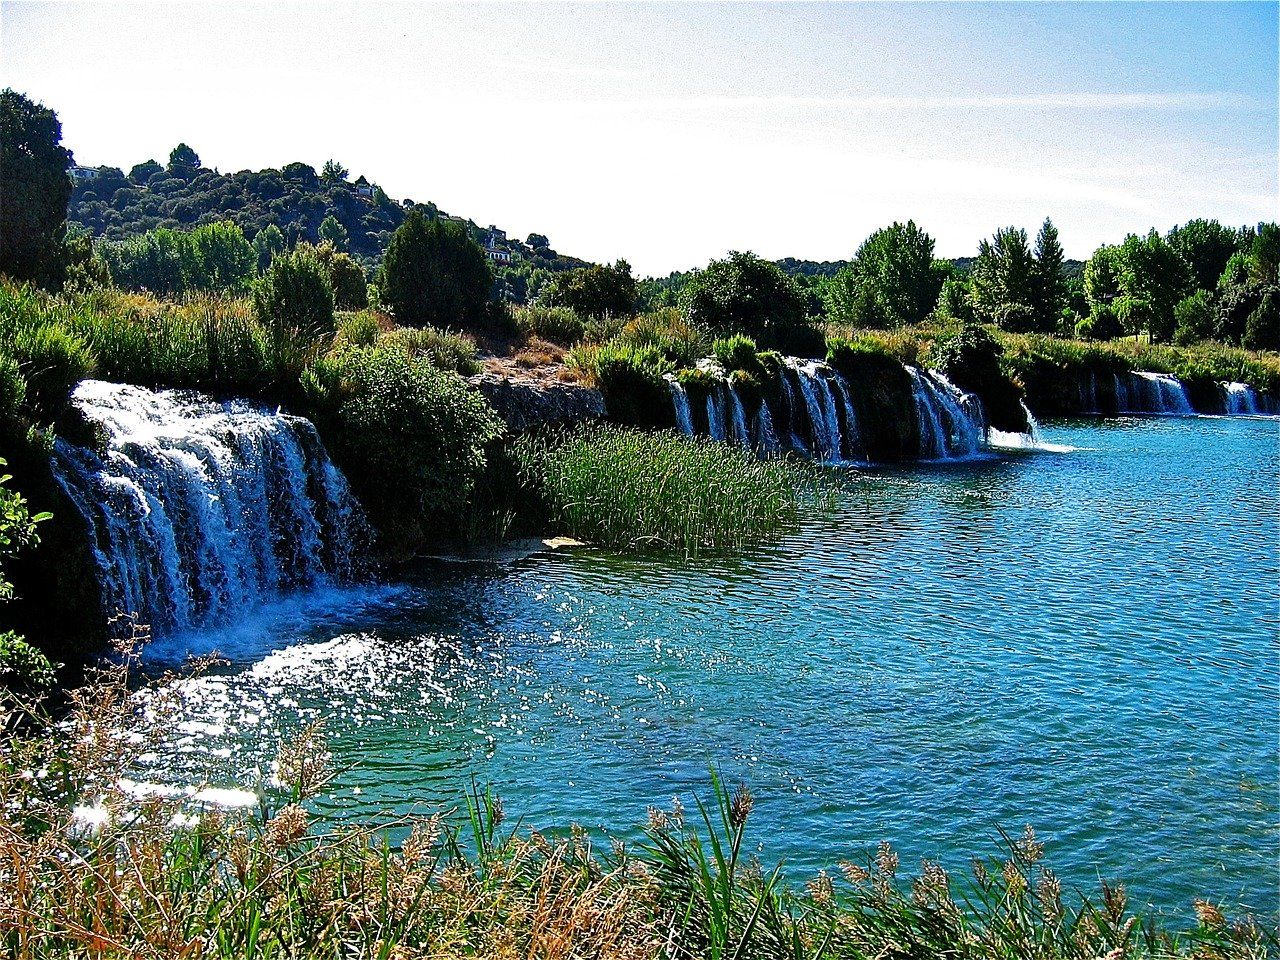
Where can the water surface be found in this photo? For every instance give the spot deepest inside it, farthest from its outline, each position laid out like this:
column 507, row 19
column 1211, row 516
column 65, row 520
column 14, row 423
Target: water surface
column 1084, row 640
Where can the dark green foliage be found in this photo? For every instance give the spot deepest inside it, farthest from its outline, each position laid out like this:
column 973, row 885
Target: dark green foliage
column 745, row 294
column 1206, row 246
column 268, row 242
column 435, row 274
column 954, row 301
column 34, row 190
column 1152, row 272
column 295, row 296
column 410, row 438
column 182, row 159
column 632, row 379
column 972, row 361
column 881, row 396
column 22, row 667
column 1101, row 324
column 594, row 291
column 1016, row 289
column 892, row 280
column 441, row 348
column 1194, row 318
column 333, row 232
column 212, row 258
column 346, row 277
column 554, row 324
column 1264, row 255
column 1262, row 329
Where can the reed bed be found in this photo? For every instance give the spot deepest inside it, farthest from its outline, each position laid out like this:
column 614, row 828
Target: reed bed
column 93, row 867
column 635, row 490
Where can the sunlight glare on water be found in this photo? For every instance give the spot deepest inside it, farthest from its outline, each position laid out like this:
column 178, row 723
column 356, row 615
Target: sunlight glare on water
column 1083, row 640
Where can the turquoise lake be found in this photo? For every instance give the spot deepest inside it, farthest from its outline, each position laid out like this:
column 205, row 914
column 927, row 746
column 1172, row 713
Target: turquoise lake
column 1085, row 641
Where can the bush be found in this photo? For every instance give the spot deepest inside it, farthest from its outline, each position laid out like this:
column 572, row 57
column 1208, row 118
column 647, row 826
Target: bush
column 443, row 349
column 23, row 667
column 594, row 291
column 640, row 491
column 559, row 325
column 737, row 353
column 668, row 332
column 295, row 294
column 434, row 274
column 1262, row 330
column 346, row 277
column 745, row 294
column 52, row 361
column 972, row 361
column 632, row 380
column 410, row 438
column 360, row 329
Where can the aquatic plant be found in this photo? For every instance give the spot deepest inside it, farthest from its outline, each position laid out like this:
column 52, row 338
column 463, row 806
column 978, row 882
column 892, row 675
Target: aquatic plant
column 95, row 865
column 633, row 490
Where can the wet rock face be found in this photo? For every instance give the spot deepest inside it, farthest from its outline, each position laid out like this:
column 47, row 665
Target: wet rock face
column 530, row 404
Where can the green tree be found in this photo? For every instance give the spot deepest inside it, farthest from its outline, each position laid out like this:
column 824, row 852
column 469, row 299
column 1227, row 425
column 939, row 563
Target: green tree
column 1152, row 272
column 1003, row 286
column 744, row 294
column 1262, row 330
column 334, row 232
column 226, row 260
column 892, row 280
column 34, row 190
column 268, row 242
column 333, row 172
column 594, row 291
column 1264, row 255
column 142, row 172
column 1206, row 246
column 1102, row 277
column 350, row 290
column 434, row 274
column 182, row 159
column 295, row 296
column 1194, row 318
column 1048, row 286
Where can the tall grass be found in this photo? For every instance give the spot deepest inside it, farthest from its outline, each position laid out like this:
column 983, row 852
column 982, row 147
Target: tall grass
column 91, row 867
column 634, row 490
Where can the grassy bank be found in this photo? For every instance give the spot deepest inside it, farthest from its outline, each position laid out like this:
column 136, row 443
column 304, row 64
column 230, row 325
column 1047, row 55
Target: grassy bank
column 629, row 489
column 92, row 867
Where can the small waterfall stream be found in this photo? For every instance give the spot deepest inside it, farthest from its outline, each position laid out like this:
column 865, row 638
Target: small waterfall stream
column 199, row 510
column 812, row 413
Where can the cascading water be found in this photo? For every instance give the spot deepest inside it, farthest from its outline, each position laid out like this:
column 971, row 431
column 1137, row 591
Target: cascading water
column 680, row 400
column 1241, row 400
column 198, row 509
column 1159, row 393
column 951, row 423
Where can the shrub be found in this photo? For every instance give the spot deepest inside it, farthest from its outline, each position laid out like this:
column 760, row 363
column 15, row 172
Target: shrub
column 632, row 380
column 598, row 290
column 410, row 438
column 346, row 277
column 668, row 332
column 559, row 325
column 23, row 667
column 443, row 349
column 736, row 353
column 1262, row 330
column 971, row 360
column 52, row 361
column 360, row 329
column 637, row 491
column 295, row 295
column 434, row 274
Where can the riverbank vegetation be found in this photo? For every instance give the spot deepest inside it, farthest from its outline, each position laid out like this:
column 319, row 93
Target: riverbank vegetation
column 94, row 864
column 658, row 491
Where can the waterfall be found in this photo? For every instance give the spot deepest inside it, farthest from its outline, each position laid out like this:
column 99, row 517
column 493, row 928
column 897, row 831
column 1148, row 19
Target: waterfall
column 1088, row 393
column 951, row 422
column 680, row 400
column 199, row 509
column 1033, row 439
column 830, row 441
column 1161, row 393
column 1241, row 400
column 738, row 417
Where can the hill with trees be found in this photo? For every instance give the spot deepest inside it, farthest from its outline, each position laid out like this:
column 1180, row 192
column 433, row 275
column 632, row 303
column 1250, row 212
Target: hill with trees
column 280, row 208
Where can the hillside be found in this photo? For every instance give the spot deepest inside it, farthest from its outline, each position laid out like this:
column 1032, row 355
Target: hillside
column 113, row 205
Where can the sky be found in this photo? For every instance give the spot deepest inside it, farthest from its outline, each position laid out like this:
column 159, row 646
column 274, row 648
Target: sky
column 669, row 134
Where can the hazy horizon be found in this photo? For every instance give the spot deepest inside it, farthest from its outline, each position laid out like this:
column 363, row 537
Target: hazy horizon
column 670, row 134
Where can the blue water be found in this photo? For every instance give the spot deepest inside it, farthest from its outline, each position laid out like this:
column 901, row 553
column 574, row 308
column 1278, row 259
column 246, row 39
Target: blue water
column 1085, row 641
